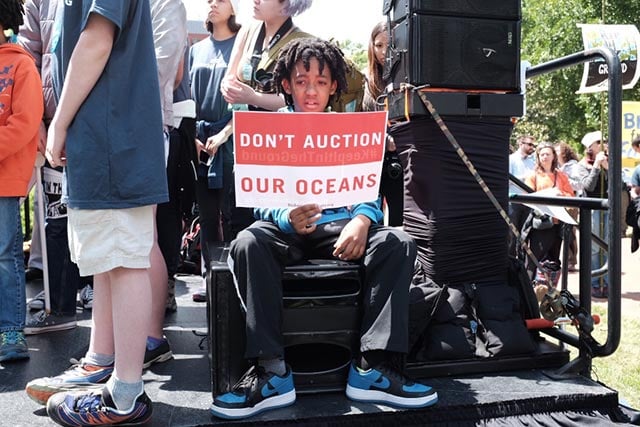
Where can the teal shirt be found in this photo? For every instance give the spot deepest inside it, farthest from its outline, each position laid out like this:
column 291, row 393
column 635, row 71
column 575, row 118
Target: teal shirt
column 115, row 145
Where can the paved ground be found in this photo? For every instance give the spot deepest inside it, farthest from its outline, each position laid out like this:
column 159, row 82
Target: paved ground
column 181, row 389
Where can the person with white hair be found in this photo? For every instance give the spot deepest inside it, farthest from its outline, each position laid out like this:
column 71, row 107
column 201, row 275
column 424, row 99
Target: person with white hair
column 593, row 172
column 249, row 77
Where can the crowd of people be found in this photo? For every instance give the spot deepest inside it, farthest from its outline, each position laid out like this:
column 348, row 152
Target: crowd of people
column 114, row 204
column 546, row 165
column 93, row 88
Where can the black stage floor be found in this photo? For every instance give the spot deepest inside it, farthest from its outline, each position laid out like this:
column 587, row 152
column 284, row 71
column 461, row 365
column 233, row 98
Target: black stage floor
column 181, row 388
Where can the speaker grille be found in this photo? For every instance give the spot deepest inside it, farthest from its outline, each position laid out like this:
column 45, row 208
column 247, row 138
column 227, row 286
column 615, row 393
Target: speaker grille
column 497, row 9
column 456, row 52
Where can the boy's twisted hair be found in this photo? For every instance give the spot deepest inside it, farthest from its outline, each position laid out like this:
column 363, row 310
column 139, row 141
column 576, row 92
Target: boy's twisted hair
column 11, row 12
column 303, row 49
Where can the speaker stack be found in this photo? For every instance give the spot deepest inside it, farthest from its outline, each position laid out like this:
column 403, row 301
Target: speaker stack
column 467, row 47
column 321, row 319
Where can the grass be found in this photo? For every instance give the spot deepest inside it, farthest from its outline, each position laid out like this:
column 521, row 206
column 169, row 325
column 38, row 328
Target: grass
column 621, row 370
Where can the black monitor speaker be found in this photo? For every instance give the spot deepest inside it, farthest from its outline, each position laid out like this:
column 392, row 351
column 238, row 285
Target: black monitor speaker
column 455, row 52
column 497, row 9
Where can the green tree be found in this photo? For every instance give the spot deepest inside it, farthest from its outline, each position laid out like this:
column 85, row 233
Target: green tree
column 549, row 31
column 356, row 52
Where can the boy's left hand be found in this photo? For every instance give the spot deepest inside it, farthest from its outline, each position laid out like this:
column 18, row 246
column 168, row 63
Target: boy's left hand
column 353, row 239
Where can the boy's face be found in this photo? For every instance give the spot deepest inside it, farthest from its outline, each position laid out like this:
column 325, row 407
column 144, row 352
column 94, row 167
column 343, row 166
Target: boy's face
column 311, row 89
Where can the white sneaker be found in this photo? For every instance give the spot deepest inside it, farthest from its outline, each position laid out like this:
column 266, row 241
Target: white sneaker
column 36, row 303
column 86, row 298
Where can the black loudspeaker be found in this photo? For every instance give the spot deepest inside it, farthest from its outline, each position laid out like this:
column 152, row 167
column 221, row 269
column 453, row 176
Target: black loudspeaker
column 497, row 9
column 455, row 52
column 320, row 325
column 406, row 105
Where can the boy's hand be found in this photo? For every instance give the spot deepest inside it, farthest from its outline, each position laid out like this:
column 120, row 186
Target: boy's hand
column 353, row 239
column 56, row 140
column 303, row 218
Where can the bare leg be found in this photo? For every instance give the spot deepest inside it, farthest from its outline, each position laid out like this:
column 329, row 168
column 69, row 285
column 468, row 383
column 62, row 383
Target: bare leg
column 102, row 316
column 158, row 277
column 130, row 296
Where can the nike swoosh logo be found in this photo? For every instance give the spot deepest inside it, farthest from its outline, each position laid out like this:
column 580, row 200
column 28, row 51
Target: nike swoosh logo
column 382, row 383
column 268, row 390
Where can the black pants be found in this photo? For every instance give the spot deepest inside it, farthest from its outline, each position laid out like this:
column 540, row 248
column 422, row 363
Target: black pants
column 220, row 219
column 545, row 245
column 260, row 253
column 169, row 214
column 517, row 214
column 64, row 277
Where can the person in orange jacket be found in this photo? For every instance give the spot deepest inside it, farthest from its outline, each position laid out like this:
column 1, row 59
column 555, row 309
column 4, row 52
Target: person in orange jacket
column 21, row 110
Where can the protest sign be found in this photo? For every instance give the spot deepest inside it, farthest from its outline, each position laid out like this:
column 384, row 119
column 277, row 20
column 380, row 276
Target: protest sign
column 624, row 40
column 630, row 131
column 291, row 159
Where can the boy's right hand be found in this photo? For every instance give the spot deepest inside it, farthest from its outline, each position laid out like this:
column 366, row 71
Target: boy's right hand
column 303, row 218
column 56, row 141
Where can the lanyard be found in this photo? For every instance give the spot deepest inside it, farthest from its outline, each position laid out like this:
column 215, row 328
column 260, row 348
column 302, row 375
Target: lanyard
column 258, row 50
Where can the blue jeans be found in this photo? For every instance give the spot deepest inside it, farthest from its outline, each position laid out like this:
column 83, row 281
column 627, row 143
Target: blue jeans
column 599, row 255
column 12, row 287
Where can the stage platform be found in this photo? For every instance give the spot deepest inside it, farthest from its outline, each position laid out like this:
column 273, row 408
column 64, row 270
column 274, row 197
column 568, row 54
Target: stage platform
column 181, row 388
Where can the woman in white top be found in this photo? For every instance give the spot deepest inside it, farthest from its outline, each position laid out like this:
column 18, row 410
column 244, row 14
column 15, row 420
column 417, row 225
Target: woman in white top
column 249, row 76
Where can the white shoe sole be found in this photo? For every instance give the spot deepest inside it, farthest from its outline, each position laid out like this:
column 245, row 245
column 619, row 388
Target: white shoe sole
column 269, row 403
column 52, row 328
column 376, row 396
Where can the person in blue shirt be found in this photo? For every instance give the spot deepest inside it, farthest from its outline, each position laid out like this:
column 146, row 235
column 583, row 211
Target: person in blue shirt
column 308, row 73
column 107, row 132
column 220, row 219
column 522, row 162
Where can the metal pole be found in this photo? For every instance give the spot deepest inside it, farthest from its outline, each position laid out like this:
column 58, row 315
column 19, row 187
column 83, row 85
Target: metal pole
column 43, row 236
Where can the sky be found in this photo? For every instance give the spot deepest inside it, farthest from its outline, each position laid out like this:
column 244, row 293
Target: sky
column 340, row 19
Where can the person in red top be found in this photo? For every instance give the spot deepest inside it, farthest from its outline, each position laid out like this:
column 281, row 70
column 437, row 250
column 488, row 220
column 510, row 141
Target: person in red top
column 545, row 242
column 21, row 109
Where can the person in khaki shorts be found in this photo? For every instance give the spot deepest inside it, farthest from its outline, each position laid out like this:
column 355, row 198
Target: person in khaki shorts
column 107, row 132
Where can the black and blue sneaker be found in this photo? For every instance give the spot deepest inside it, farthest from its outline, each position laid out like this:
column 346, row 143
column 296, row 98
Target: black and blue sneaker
column 389, row 386
column 257, row 391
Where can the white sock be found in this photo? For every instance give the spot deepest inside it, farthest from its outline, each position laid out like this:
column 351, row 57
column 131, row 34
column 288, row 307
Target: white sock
column 124, row 394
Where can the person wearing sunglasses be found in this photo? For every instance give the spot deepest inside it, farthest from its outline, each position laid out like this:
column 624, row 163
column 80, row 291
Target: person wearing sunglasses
column 521, row 164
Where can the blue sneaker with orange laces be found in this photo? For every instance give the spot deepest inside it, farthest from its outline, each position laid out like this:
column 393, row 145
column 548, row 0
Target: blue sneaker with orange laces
column 79, row 377
column 387, row 385
column 257, row 391
column 96, row 408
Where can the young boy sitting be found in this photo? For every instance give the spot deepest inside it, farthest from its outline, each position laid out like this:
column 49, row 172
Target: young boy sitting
column 308, row 72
